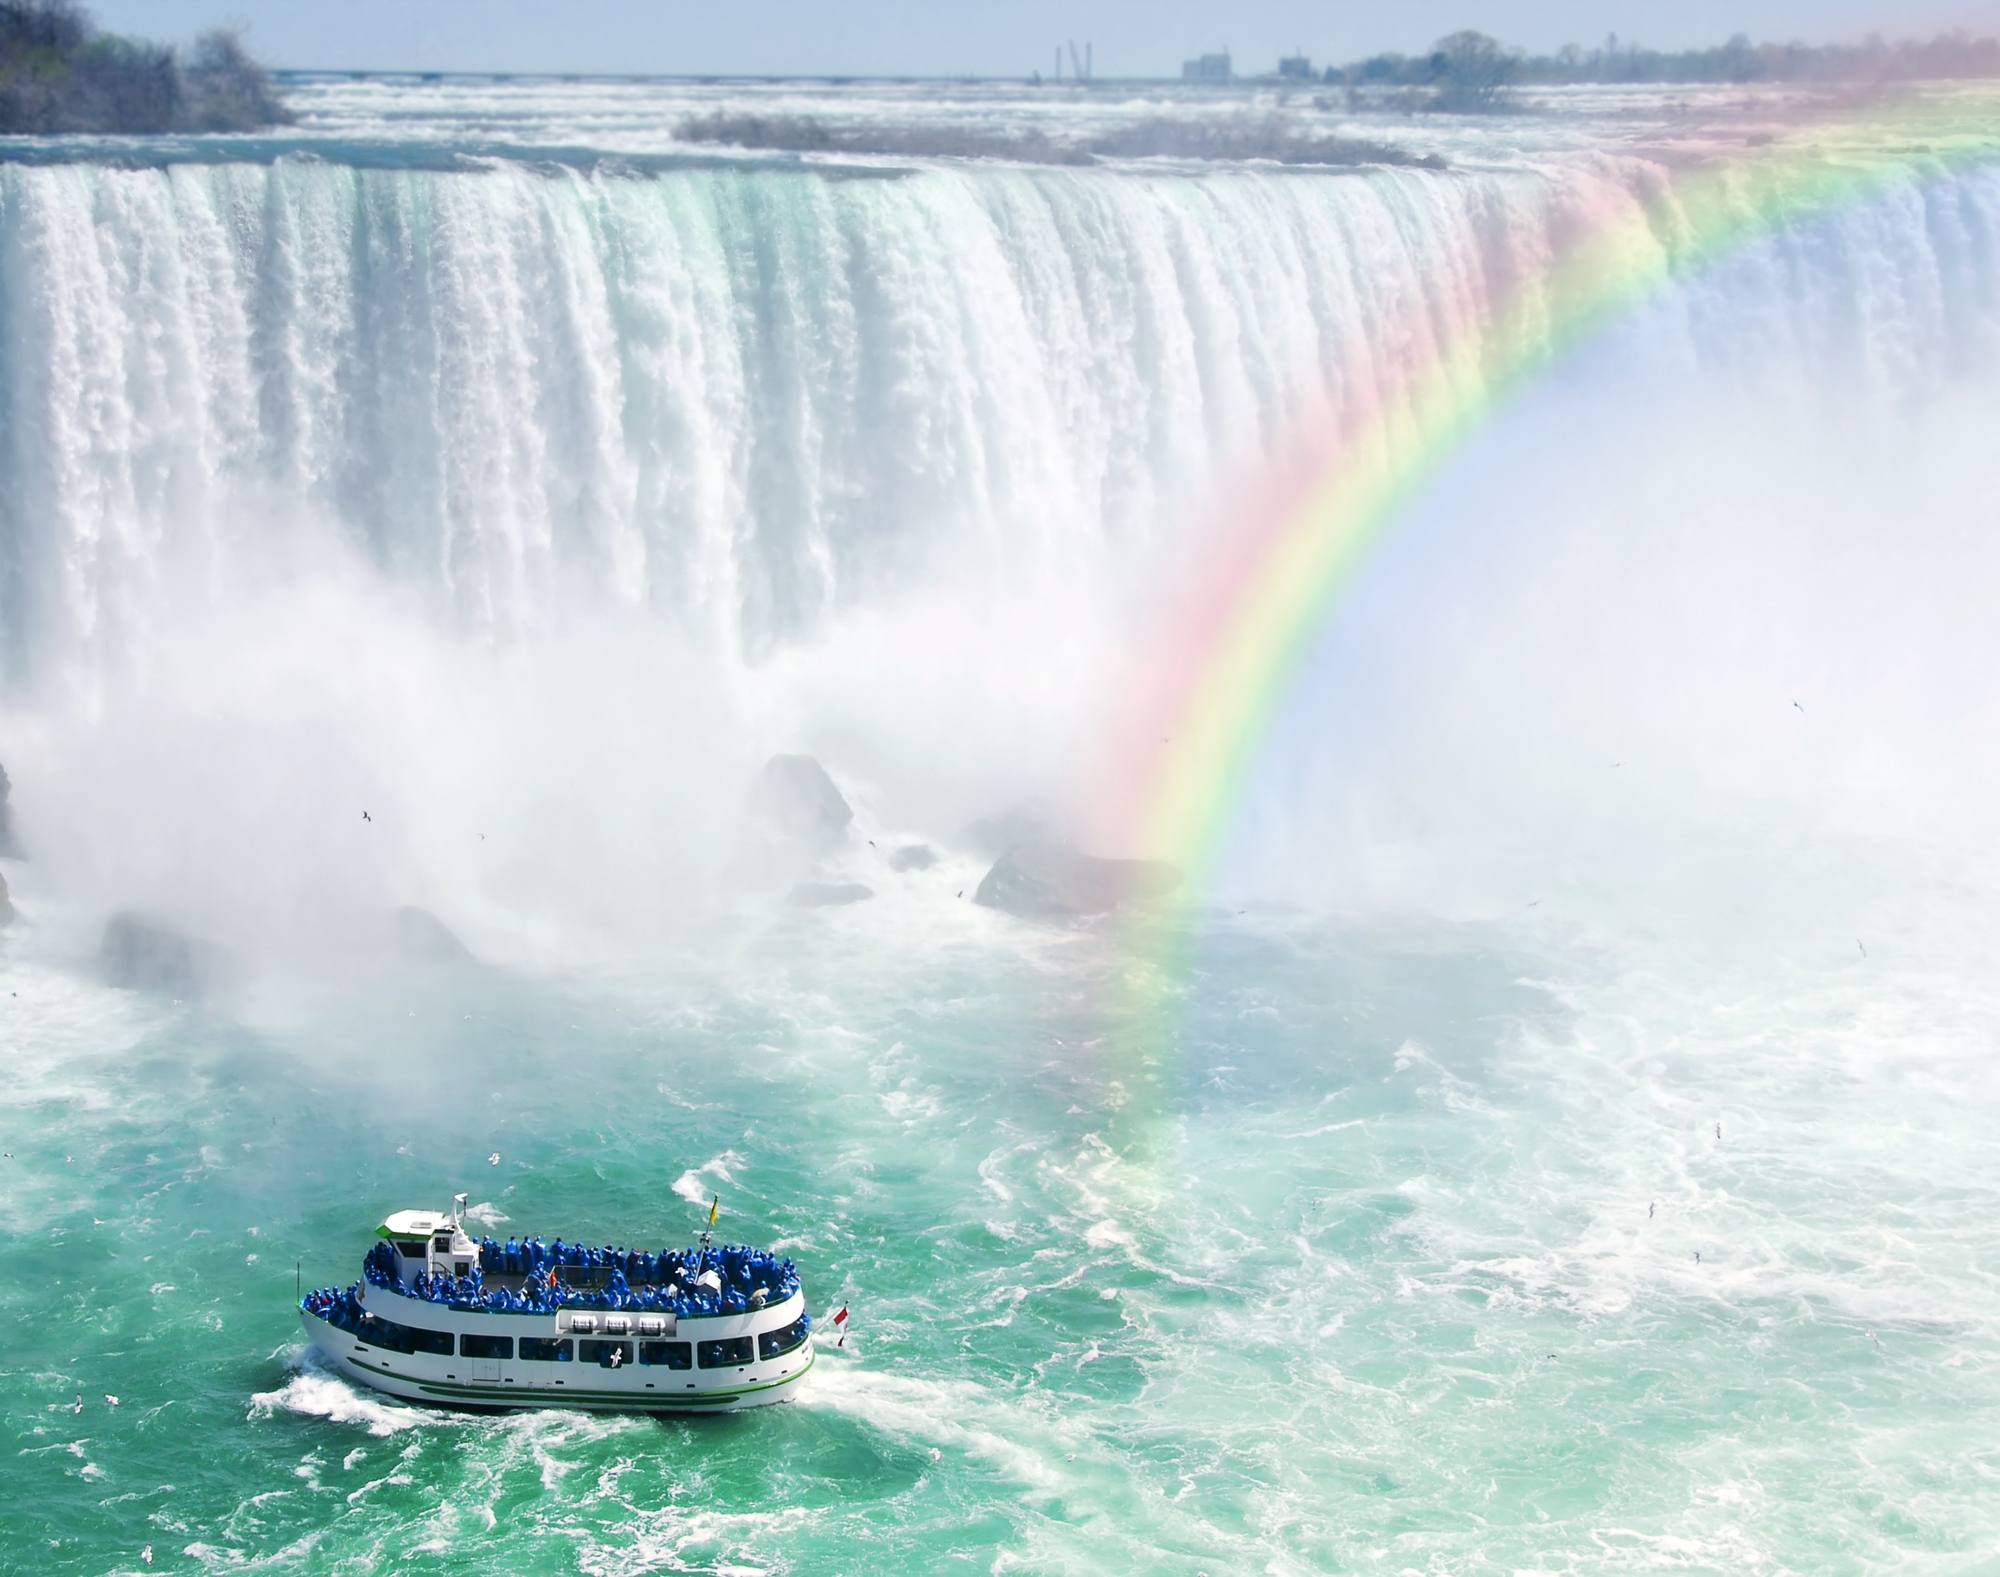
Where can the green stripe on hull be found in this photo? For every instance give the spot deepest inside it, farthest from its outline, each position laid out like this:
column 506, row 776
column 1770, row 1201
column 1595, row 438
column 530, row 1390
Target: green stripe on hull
column 550, row 1395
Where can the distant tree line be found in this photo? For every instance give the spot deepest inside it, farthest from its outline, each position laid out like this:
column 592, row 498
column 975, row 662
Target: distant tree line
column 60, row 73
column 1469, row 71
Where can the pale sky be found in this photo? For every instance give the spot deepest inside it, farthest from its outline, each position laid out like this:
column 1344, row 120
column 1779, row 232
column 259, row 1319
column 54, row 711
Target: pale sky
column 1010, row 38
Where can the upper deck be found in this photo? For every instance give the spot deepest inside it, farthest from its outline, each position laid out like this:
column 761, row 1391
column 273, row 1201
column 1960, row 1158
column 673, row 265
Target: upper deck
column 429, row 1257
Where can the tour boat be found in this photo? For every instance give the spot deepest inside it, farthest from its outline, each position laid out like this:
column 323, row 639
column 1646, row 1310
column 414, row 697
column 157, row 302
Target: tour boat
column 443, row 1318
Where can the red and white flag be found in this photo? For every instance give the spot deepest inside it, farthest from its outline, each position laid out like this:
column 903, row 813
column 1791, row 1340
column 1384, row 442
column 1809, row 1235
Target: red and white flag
column 840, row 1324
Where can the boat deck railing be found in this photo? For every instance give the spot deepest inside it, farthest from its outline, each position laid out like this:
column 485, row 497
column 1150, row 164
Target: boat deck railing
column 538, row 1278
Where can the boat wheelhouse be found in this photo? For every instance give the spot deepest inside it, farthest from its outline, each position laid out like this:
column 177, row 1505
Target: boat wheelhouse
column 444, row 1318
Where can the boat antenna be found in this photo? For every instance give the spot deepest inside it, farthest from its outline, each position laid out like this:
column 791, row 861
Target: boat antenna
column 458, row 1208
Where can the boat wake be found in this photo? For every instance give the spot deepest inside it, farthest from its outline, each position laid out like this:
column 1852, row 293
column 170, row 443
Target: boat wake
column 315, row 1391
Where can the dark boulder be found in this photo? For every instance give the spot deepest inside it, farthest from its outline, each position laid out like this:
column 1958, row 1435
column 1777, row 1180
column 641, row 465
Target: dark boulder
column 421, row 936
column 820, row 895
column 798, row 801
column 143, row 954
column 1050, row 880
column 10, row 847
column 912, row 857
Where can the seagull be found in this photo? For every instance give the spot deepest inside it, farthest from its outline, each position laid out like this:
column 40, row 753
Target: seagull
column 936, row 1455
column 112, row 1400
column 1697, row 1256
column 1801, row 709
column 482, row 837
column 146, row 1555
column 1718, row 1130
column 77, row 1405
column 1857, row 943
column 493, row 1159
column 1651, row 1206
column 366, row 817
column 871, row 843
column 961, row 892
column 1536, row 904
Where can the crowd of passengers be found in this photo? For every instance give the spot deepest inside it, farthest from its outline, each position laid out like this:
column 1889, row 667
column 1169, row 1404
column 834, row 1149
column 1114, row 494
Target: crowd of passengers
column 729, row 1279
column 343, row 1309
column 339, row 1307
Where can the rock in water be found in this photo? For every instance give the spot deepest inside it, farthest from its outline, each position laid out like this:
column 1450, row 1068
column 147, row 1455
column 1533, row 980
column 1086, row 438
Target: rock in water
column 799, row 801
column 10, row 848
column 6, row 904
column 818, row 895
column 1052, row 880
column 422, row 936
column 142, row 954
column 913, row 857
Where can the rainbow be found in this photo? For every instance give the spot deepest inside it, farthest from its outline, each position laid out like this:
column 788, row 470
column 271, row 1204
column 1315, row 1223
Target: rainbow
column 1278, row 568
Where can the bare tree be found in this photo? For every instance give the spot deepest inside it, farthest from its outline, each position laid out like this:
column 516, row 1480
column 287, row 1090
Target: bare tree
column 1472, row 72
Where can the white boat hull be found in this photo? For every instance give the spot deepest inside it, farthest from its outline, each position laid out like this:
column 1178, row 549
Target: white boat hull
column 451, row 1380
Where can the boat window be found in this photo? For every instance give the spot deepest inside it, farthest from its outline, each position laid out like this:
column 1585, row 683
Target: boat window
column 675, row 1355
column 772, row 1344
column 411, row 1250
column 548, row 1349
column 390, row 1336
column 470, row 1346
column 725, row 1353
column 611, row 1354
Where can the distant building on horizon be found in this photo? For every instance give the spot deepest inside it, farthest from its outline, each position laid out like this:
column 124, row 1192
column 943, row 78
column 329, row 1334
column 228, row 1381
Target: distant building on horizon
column 1207, row 68
column 1295, row 68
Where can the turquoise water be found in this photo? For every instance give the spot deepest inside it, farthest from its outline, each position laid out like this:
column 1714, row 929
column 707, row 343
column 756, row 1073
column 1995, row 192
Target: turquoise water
column 1382, row 1258
column 1568, row 1145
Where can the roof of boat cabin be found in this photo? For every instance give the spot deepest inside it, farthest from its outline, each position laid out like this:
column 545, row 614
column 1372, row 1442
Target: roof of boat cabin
column 414, row 1224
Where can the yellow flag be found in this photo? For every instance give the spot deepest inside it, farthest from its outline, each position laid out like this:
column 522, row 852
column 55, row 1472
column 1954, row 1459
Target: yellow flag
column 714, row 1209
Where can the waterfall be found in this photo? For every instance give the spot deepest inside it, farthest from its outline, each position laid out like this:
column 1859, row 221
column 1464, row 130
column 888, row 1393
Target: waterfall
column 546, row 501
column 743, row 402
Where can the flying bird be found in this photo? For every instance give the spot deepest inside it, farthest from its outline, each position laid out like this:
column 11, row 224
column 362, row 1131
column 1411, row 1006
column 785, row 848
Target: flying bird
column 1651, row 1206
column 146, row 1555
column 366, row 817
column 77, row 1405
column 1801, row 709
column 1857, row 943
column 109, row 1398
column 493, row 1159
column 1718, row 1130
